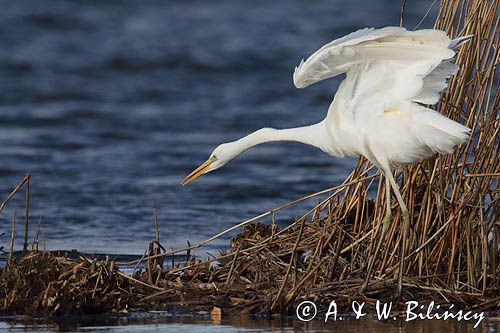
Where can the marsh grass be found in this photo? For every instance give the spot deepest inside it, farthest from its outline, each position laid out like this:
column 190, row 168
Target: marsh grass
column 452, row 253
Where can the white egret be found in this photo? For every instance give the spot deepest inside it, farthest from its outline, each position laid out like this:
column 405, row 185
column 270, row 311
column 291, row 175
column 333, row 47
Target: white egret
column 379, row 111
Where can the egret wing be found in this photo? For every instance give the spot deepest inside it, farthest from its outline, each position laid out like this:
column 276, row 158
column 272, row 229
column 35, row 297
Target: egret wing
column 372, row 45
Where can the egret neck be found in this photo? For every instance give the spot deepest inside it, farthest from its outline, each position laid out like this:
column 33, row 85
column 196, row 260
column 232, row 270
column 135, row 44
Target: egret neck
column 314, row 135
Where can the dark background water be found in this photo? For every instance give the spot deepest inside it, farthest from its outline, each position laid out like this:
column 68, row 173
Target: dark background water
column 109, row 104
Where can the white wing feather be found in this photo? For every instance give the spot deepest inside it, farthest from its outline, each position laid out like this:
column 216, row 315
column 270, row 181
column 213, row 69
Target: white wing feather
column 388, row 72
column 367, row 45
column 435, row 82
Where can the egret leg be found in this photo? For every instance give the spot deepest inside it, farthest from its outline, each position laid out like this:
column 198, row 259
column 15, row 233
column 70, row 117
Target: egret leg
column 385, row 225
column 406, row 224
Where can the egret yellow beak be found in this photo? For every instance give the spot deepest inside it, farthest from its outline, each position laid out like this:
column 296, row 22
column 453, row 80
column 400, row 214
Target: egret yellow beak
column 197, row 172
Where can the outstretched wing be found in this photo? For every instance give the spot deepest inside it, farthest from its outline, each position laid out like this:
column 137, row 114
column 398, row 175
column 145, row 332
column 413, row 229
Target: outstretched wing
column 374, row 45
column 389, row 71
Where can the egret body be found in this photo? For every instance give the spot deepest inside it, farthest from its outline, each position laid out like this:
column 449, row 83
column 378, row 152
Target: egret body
column 380, row 111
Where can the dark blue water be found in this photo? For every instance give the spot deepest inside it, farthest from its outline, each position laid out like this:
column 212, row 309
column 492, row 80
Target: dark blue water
column 109, row 104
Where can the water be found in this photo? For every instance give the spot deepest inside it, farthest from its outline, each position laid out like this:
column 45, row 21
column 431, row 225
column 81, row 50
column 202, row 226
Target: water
column 200, row 323
column 109, row 104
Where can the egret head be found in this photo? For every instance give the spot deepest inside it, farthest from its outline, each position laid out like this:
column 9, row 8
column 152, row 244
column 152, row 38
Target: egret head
column 219, row 157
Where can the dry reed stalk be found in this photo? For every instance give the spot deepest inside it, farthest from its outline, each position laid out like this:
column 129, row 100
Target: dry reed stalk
column 12, row 237
column 27, row 214
column 14, row 191
column 25, row 181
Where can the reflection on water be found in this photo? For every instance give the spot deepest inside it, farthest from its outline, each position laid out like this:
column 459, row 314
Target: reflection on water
column 161, row 322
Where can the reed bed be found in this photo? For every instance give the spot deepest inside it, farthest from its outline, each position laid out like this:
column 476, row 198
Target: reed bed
column 453, row 246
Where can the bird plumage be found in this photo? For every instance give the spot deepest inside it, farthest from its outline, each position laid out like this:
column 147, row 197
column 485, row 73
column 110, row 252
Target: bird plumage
column 370, row 44
column 376, row 111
